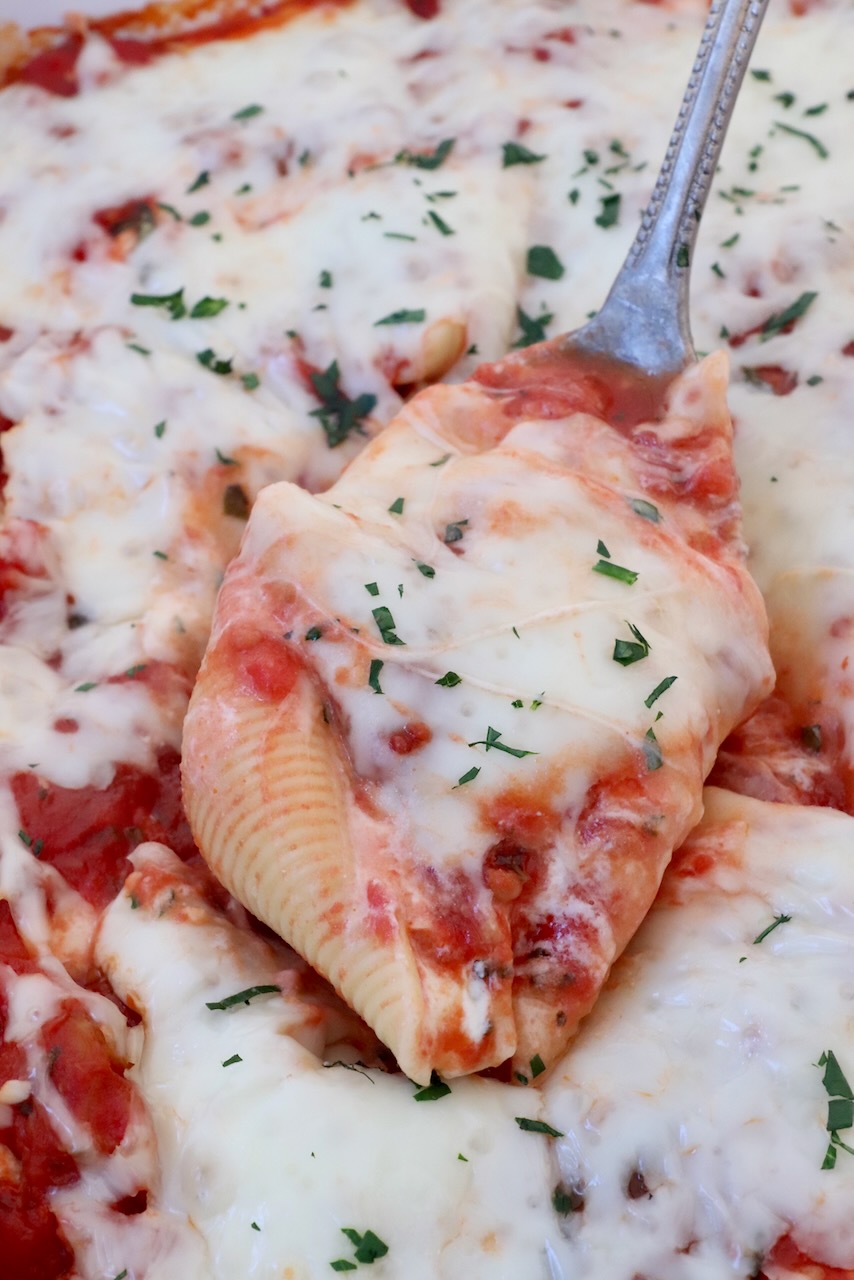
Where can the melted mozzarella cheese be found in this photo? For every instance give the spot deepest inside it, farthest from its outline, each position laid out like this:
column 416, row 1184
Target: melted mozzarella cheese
column 698, row 1069
column 276, row 1139
column 85, row 461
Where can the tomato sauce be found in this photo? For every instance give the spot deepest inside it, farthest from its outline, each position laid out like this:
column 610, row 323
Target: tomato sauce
column 137, row 38
column 92, row 1083
column 87, row 834
column 87, row 1076
column 546, row 381
column 786, row 1259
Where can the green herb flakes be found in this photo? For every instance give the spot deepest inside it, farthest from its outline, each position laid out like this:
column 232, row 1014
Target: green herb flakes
column 171, row 302
column 627, row 652
column 647, row 510
column 467, row 777
column 377, row 665
column 429, row 159
column 440, row 224
column 537, row 1126
column 778, row 920
column 781, row 320
column 492, row 742
column 609, row 214
column 610, row 570
column 338, row 414
column 385, row 623
column 516, row 153
column 449, row 680
column 659, row 689
column 402, row 317
column 533, row 328
column 433, row 1091
column 817, row 146
column 542, row 261
column 207, row 307
column 242, row 997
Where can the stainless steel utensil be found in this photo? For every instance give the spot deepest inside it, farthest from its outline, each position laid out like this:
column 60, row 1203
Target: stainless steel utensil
column 644, row 321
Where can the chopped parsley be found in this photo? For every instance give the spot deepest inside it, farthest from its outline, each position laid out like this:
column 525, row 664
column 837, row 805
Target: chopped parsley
column 314, row 633
column 454, row 531
column 229, row 1062
column 491, row 741
column 659, row 689
column 402, row 317
column 201, row 181
column 781, row 320
column 426, row 570
column 200, row 219
column 342, row 1264
column 734, row 239
column 449, row 680
column 683, row 256
column 246, row 113
column 385, row 623
column 652, row 751
column 818, row 146
column 533, row 328
column 171, row 302
column 170, row 209
column 85, row 687
column 377, row 665
column 433, row 1091
column 778, row 920
column 537, row 1126
column 250, row 381
column 325, row 280
column 840, row 1106
column 609, row 214
column 368, row 1246
column 208, row 359
column 760, row 75
column 515, row 153
column 159, row 429
column 610, row 570
column 542, row 261
column 134, row 346
column 427, row 159
column 440, row 224
column 242, row 997
column 537, row 1066
column 208, row 307
column 338, row 414
column 627, row 652
column 225, row 460
column 645, row 509
column 785, row 99
column 161, row 555
column 372, row 588
column 396, row 508
column 467, row 777
column 254, row 1226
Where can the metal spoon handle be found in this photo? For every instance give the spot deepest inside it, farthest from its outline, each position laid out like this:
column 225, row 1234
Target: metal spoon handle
column 644, row 321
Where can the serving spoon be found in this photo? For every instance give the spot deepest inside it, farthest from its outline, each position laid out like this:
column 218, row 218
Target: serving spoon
column 644, row 323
